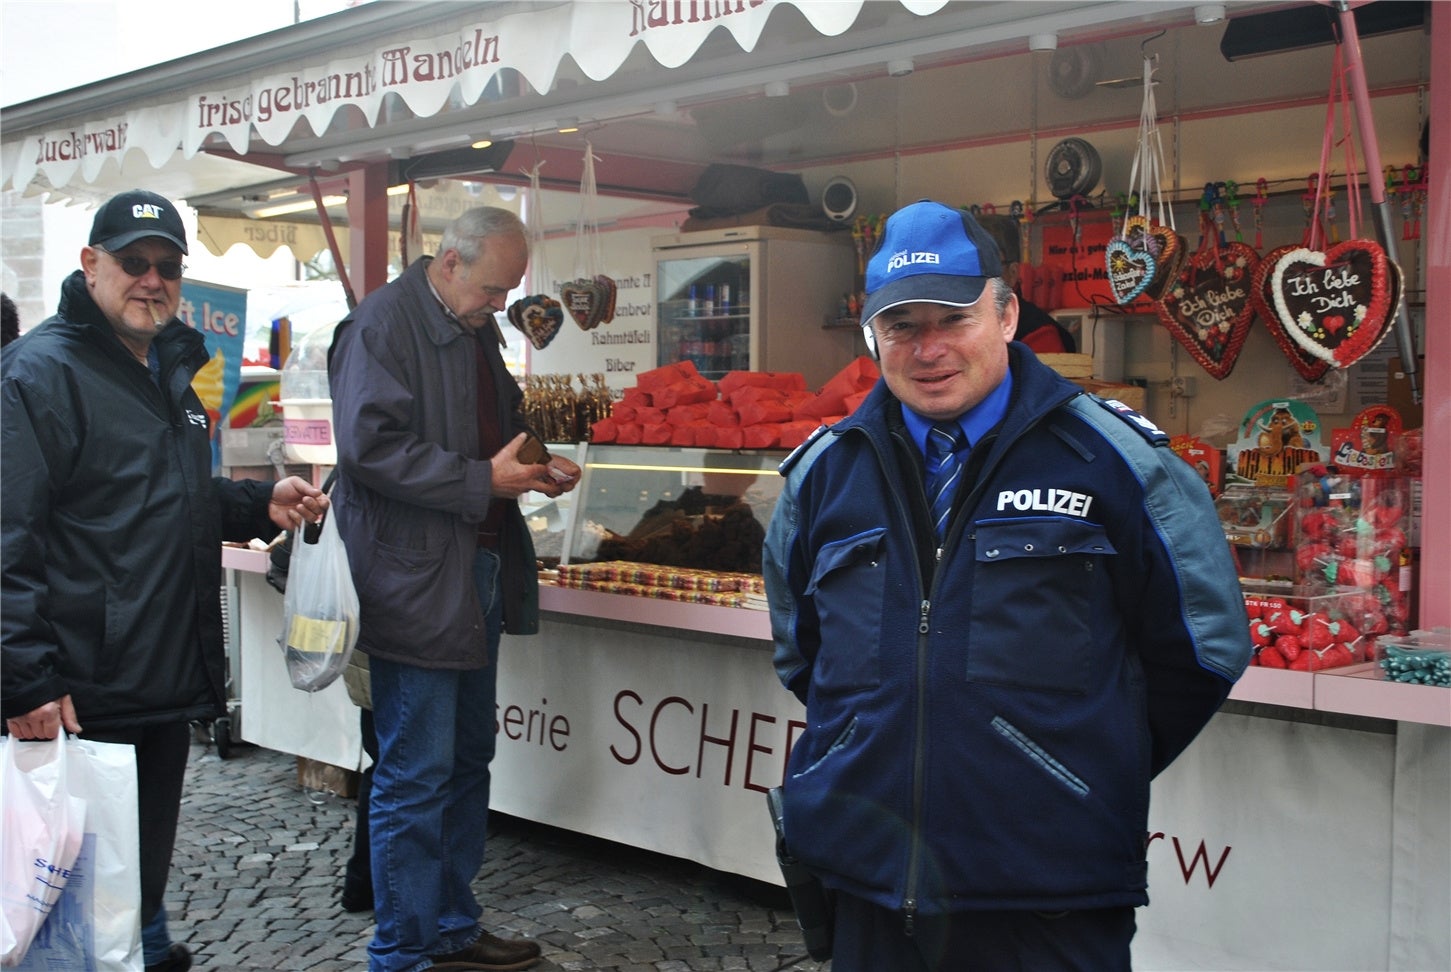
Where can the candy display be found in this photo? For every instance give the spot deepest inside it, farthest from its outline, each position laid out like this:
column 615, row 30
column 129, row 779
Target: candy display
column 559, row 412
column 1369, row 446
column 1307, row 633
column 726, row 537
column 1276, row 437
column 1257, row 522
column 723, row 588
column 675, row 405
column 1421, row 658
column 1351, row 540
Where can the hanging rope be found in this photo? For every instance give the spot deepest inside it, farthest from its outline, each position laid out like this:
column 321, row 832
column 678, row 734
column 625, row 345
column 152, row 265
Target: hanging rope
column 540, row 279
column 588, row 252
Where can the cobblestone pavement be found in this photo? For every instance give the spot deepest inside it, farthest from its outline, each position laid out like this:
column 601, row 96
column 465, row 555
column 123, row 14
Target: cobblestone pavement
column 259, row 862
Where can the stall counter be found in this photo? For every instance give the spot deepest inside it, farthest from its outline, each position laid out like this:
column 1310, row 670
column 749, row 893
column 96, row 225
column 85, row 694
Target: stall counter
column 661, row 725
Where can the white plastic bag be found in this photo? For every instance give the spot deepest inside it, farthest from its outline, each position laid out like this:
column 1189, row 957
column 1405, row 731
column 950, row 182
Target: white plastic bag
column 43, row 825
column 319, row 610
column 95, row 925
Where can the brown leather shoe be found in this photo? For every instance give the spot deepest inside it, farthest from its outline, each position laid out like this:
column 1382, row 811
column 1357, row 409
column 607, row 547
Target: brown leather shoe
column 492, row 954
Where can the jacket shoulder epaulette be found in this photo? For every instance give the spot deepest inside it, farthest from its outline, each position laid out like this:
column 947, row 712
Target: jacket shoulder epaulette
column 1134, row 420
column 811, row 444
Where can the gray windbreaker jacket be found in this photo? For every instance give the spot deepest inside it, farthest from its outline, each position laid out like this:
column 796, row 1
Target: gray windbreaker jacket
column 412, row 486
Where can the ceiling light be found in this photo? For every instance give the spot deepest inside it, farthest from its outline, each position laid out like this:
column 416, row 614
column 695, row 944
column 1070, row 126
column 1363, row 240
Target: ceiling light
column 1043, row 42
column 568, row 125
column 287, row 209
column 900, row 67
column 482, row 143
column 777, row 89
column 1209, row 13
column 399, row 190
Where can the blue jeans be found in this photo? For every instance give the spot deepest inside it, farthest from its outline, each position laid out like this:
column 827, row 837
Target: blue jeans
column 430, row 799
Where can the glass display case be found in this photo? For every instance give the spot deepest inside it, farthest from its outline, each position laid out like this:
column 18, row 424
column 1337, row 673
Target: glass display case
column 693, row 509
column 754, row 298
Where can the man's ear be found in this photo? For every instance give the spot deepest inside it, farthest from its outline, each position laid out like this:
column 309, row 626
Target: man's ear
column 89, row 259
column 1010, row 317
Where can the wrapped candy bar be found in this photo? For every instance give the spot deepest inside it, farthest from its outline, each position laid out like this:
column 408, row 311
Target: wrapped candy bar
column 665, row 375
column 605, row 430
column 782, row 380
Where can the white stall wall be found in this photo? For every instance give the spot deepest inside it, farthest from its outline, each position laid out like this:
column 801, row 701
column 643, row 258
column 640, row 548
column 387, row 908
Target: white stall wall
column 648, row 739
column 1270, row 848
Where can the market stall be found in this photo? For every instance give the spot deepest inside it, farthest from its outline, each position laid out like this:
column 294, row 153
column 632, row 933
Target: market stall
column 658, row 722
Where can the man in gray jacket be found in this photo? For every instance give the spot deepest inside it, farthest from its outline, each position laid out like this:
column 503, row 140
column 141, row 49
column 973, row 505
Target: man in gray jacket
column 429, row 432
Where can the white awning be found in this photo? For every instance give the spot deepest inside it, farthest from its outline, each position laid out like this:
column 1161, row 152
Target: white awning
column 436, row 65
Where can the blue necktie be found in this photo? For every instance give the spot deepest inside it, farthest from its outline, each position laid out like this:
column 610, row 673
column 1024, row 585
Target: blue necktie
column 943, row 470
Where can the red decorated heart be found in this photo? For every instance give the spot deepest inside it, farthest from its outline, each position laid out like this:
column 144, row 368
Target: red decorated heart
column 1208, row 308
column 1336, row 303
column 1306, row 365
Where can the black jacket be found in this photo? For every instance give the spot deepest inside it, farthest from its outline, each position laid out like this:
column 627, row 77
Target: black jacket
column 112, row 524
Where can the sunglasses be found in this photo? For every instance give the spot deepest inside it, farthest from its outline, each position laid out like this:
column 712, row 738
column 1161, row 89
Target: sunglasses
column 136, row 266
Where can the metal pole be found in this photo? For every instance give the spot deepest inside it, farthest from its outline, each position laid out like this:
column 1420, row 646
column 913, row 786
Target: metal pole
column 1380, row 208
column 332, row 242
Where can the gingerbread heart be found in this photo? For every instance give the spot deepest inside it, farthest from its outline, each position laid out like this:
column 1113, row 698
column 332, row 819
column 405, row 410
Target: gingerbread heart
column 1335, row 303
column 1167, row 247
column 1209, row 308
column 610, row 291
column 1130, row 269
column 1170, row 250
column 539, row 317
column 1306, row 365
column 584, row 301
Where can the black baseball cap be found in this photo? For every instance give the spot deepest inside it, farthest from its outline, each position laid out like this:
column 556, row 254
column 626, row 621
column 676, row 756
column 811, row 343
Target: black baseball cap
column 134, row 215
column 930, row 253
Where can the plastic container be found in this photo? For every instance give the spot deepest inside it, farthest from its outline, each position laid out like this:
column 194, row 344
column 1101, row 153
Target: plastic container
column 1312, row 631
column 306, row 401
column 1419, row 658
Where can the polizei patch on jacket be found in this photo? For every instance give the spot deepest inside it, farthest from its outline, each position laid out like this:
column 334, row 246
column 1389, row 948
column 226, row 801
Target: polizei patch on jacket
column 1145, row 427
column 1049, row 500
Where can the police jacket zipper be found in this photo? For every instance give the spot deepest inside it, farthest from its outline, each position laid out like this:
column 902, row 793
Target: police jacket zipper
column 909, row 903
column 920, row 729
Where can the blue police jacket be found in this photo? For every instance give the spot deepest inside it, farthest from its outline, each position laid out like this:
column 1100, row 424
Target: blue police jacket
column 984, row 718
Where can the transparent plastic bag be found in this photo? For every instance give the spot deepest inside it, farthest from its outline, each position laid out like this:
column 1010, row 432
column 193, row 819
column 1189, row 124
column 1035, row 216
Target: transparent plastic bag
column 319, row 610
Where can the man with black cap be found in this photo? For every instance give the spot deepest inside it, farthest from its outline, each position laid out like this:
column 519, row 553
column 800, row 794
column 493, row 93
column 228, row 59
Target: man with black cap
column 1007, row 605
column 112, row 526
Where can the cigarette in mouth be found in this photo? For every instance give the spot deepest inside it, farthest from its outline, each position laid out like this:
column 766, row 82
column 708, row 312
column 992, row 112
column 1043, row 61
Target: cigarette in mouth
column 155, row 312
